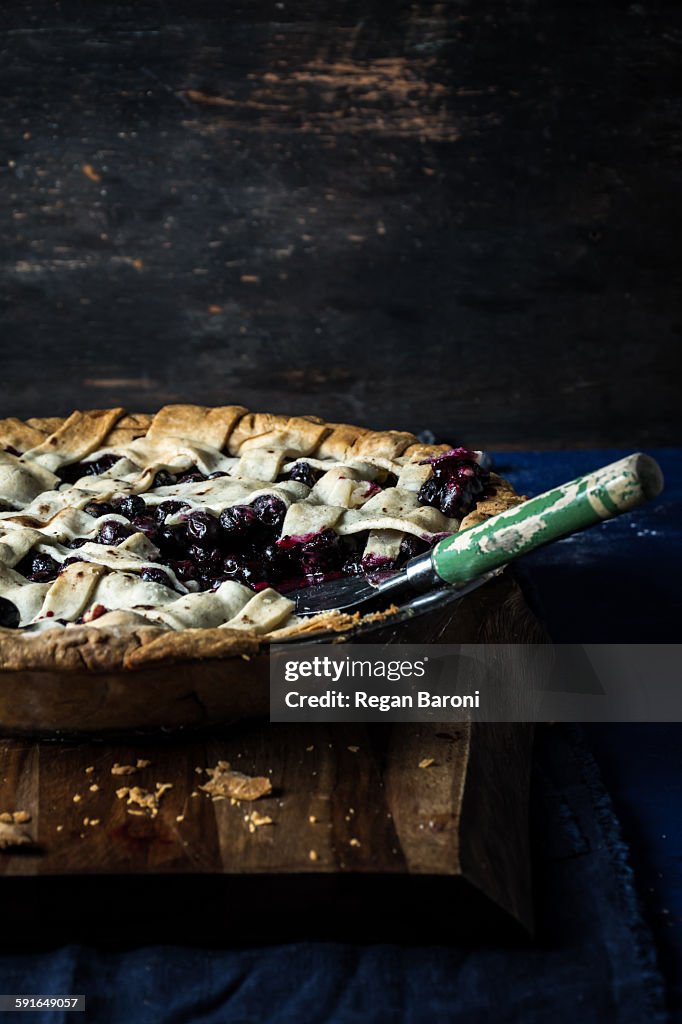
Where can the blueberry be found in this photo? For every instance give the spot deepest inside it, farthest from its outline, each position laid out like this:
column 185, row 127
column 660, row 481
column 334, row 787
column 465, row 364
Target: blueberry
column 172, row 541
column 151, row 574
column 131, row 506
column 70, row 474
column 169, row 508
column 305, row 473
column 146, row 525
column 457, row 482
column 164, row 479
column 203, row 529
column 39, row 568
column 353, row 566
column 99, row 508
column 69, row 561
column 411, row 546
column 113, row 532
column 214, row 476
column 9, row 614
column 322, row 554
column 270, row 509
column 77, row 542
column 237, row 522
column 191, row 477
column 184, row 569
column 234, row 569
column 206, row 559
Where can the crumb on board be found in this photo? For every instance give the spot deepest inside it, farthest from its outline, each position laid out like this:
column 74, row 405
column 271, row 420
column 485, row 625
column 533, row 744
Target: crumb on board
column 224, row 782
column 311, row 747
column 355, row 842
column 94, row 822
column 90, row 769
column 312, row 819
column 15, row 817
column 354, row 749
column 94, row 788
column 143, row 802
column 142, row 762
column 312, row 855
column 180, row 817
column 12, row 836
column 77, row 798
column 426, row 762
column 255, row 820
column 60, row 828
column 90, row 172
column 123, row 769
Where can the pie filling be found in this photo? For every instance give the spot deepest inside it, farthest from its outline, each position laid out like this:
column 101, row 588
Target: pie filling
column 189, row 536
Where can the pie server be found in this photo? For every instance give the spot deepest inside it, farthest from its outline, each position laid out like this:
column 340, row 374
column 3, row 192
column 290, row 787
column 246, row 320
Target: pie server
column 466, row 560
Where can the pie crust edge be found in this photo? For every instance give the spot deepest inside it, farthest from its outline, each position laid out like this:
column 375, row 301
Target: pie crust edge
column 233, row 429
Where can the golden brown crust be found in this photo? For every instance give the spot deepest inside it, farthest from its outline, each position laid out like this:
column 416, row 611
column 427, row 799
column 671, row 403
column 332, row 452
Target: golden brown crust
column 79, row 434
column 229, row 428
column 22, row 436
column 85, row 647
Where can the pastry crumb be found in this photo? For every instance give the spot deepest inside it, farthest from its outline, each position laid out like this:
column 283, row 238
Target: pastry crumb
column 312, row 855
column 312, row 819
column 11, row 832
column 77, row 798
column 143, row 801
column 311, row 747
column 123, row 791
column 90, row 769
column 355, row 842
column 353, row 750
column 60, row 828
column 123, row 769
column 94, row 822
column 255, row 820
column 426, row 762
column 94, row 788
column 142, row 762
column 225, row 782
column 180, row 817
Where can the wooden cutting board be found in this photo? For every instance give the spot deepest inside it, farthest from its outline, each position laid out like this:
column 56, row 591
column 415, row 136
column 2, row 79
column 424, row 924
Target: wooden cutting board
column 373, row 830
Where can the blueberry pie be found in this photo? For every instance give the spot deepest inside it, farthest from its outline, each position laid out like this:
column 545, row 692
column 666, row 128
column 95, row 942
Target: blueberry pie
column 126, row 538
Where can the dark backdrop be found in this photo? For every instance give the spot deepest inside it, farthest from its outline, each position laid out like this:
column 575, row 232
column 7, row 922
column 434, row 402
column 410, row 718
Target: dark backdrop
column 461, row 215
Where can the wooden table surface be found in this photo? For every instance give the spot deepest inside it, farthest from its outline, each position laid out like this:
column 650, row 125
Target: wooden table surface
column 457, row 216
column 401, row 814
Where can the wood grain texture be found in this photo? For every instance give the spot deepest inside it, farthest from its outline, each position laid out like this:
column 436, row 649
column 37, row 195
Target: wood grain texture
column 355, row 795
column 325, row 208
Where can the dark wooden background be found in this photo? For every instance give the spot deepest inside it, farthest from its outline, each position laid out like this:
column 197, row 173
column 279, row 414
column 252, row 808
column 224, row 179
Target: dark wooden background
column 458, row 215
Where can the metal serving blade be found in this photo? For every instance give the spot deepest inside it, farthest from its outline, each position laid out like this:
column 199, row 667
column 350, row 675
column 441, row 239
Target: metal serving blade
column 349, row 594
column 344, row 594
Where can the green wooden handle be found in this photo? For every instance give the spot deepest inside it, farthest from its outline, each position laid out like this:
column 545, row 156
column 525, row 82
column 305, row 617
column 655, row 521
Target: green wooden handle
column 583, row 502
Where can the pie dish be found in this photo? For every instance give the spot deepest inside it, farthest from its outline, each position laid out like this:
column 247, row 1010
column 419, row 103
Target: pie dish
column 133, row 540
